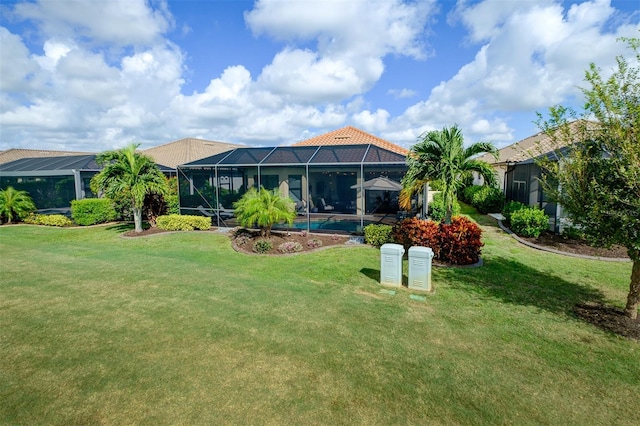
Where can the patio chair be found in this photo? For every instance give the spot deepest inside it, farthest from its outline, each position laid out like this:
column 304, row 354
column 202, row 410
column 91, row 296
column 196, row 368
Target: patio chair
column 301, row 207
column 323, row 206
column 222, row 212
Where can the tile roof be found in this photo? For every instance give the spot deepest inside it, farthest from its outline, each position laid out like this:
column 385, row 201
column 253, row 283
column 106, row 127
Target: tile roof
column 351, row 136
column 527, row 148
column 186, row 150
column 14, row 154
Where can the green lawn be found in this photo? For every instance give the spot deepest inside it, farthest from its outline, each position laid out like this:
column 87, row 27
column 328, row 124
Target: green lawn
column 180, row 329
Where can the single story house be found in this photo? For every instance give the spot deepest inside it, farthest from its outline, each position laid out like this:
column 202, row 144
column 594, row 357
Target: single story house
column 519, row 174
column 54, row 178
column 325, row 179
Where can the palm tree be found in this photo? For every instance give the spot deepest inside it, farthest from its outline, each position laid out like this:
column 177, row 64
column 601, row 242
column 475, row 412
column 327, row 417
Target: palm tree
column 14, row 203
column 264, row 208
column 441, row 156
column 132, row 175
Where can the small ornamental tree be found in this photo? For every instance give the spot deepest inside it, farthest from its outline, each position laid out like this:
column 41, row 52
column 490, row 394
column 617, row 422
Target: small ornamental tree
column 264, row 208
column 598, row 181
column 441, row 156
column 15, row 204
column 130, row 175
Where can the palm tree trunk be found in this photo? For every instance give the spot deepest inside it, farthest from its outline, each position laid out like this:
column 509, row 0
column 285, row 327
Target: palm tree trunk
column 137, row 219
column 634, row 290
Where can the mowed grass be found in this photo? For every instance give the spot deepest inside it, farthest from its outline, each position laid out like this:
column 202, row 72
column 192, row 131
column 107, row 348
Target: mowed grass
column 180, row 329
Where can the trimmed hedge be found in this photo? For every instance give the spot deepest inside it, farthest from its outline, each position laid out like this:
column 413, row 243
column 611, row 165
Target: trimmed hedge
column 486, row 199
column 48, row 220
column 458, row 243
column 437, row 211
column 176, row 222
column 91, row 211
column 377, row 235
column 529, row 222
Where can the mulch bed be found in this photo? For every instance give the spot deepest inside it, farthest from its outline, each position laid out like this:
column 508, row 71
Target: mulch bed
column 244, row 240
column 562, row 243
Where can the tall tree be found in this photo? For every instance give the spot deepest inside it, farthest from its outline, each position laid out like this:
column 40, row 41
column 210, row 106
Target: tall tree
column 264, row 208
column 15, row 204
column 597, row 181
column 132, row 175
column 441, row 156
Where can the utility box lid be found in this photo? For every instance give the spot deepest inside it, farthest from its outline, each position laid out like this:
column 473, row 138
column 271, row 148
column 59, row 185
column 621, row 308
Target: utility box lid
column 420, row 252
column 392, row 249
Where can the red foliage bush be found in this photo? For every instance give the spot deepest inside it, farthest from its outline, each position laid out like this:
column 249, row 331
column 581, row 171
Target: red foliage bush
column 418, row 232
column 458, row 243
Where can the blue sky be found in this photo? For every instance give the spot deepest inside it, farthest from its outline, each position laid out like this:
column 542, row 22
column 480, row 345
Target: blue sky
column 93, row 75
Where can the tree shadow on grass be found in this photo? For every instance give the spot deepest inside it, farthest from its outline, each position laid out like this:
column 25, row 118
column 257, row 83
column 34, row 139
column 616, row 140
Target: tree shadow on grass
column 121, row 227
column 512, row 282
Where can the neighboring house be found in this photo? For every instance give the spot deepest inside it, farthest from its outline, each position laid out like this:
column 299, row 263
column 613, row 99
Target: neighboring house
column 54, row 178
column 186, row 150
column 52, row 182
column 14, row 154
column 519, row 175
column 323, row 180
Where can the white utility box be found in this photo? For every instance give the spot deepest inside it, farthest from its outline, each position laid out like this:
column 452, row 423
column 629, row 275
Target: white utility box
column 420, row 268
column 391, row 264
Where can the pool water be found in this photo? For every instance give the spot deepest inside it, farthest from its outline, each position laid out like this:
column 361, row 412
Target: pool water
column 328, row 225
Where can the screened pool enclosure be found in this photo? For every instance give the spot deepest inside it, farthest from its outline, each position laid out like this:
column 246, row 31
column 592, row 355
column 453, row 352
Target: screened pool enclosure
column 325, row 182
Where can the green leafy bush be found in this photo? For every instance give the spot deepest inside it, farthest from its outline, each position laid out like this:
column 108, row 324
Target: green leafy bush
column 48, row 220
column 91, row 211
column 173, row 206
column 486, row 199
column 377, row 235
column 437, row 210
column 262, row 246
column 469, row 192
column 458, row 243
column 529, row 222
column 176, row 222
column 509, row 208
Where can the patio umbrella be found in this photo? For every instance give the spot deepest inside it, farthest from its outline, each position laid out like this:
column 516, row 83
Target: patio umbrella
column 379, row 184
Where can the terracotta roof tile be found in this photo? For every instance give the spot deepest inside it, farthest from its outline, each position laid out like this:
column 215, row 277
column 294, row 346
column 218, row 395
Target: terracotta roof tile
column 349, row 136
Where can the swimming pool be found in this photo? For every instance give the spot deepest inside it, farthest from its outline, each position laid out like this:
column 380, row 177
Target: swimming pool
column 326, row 225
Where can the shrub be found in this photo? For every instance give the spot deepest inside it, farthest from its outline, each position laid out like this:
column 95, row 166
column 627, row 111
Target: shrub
column 176, row 222
column 529, row 222
column 290, row 247
column 91, row 211
column 48, row 220
column 314, row 243
column 437, row 210
column 262, row 246
column 457, row 243
column 509, row 208
column 15, row 204
column 173, row 206
column 460, row 242
column 377, row 235
column 486, row 199
column 417, row 232
column 469, row 192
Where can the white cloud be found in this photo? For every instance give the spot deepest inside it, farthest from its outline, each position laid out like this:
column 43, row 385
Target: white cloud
column 122, row 22
column 95, row 75
column 534, row 55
